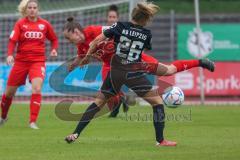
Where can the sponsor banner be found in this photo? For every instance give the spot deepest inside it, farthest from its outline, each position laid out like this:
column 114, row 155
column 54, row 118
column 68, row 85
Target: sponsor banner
column 79, row 77
column 219, row 42
column 225, row 81
column 81, row 80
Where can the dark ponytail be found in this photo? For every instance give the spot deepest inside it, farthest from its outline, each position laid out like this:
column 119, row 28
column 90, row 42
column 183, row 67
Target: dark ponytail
column 70, row 19
column 72, row 24
column 113, row 8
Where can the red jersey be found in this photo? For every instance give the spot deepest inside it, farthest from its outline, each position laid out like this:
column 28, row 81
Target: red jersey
column 31, row 37
column 90, row 33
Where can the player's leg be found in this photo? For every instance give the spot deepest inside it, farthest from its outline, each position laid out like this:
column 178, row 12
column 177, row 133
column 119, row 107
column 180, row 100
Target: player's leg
column 35, row 102
column 119, row 100
column 86, row 117
column 155, row 100
column 182, row 65
column 115, row 102
column 143, row 88
column 161, row 69
column 17, row 77
column 36, row 76
column 6, row 102
column 107, row 91
column 105, row 72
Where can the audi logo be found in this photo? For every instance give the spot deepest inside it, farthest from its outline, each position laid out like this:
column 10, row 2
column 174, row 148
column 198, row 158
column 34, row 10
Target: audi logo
column 33, row 35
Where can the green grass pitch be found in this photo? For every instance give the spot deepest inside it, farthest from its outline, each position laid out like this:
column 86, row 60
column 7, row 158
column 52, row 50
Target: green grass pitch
column 202, row 133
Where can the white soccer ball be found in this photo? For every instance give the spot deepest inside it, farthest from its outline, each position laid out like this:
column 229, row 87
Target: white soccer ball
column 173, row 97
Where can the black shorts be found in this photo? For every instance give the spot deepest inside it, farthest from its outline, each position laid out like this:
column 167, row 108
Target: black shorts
column 119, row 76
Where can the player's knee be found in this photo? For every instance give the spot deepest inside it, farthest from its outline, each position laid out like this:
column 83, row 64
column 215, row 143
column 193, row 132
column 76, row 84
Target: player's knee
column 9, row 94
column 154, row 100
column 172, row 69
column 100, row 102
column 154, row 103
column 36, row 89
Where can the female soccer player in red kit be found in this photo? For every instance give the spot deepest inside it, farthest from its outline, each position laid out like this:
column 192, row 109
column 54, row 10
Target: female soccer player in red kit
column 82, row 37
column 30, row 33
column 112, row 15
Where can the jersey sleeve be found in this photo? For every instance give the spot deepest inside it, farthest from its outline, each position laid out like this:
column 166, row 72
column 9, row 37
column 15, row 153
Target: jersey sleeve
column 97, row 30
column 11, row 47
column 115, row 29
column 52, row 36
column 14, row 37
column 15, row 34
column 93, row 31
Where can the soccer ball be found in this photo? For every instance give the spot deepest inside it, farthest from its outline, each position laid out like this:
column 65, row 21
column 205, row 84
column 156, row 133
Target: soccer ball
column 173, row 97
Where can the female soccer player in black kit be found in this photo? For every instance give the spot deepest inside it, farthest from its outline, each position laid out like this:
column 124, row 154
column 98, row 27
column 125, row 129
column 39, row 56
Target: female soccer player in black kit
column 131, row 39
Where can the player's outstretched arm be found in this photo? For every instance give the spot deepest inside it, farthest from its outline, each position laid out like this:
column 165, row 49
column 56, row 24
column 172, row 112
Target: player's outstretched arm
column 73, row 64
column 92, row 49
column 11, row 47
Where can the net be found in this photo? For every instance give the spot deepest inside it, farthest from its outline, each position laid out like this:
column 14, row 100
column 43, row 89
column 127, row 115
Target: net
column 56, row 12
column 90, row 12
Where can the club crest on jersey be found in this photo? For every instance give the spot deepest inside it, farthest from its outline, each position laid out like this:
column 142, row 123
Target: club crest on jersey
column 41, row 26
column 25, row 26
column 114, row 25
column 12, row 34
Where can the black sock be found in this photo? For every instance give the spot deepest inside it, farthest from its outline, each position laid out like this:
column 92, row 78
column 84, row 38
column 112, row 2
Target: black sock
column 116, row 109
column 159, row 121
column 86, row 117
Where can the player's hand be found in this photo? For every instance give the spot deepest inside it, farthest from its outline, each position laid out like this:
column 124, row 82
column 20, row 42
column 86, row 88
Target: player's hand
column 53, row 53
column 73, row 64
column 10, row 60
column 98, row 54
column 71, row 67
column 84, row 61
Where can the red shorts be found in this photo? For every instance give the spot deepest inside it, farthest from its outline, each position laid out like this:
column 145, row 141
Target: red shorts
column 21, row 70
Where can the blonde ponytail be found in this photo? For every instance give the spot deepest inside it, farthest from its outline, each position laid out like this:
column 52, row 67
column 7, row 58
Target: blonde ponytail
column 144, row 12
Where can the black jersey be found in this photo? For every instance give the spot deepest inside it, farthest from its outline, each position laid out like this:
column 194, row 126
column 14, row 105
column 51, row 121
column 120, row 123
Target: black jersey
column 130, row 40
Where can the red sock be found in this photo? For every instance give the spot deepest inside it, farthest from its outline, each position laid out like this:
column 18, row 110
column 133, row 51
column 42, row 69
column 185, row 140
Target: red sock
column 35, row 104
column 182, row 65
column 5, row 105
column 113, row 102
